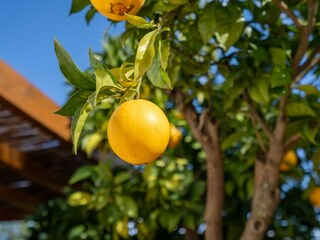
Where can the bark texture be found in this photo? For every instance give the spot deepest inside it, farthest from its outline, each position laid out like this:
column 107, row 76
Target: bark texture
column 266, row 190
column 266, row 194
column 191, row 235
column 206, row 131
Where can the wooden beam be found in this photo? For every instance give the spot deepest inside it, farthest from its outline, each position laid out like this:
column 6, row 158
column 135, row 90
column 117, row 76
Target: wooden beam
column 18, row 199
column 20, row 95
column 13, row 214
column 17, row 161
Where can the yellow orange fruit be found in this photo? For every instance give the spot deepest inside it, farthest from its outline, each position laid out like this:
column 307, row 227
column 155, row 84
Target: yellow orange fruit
column 116, row 9
column 314, row 197
column 288, row 161
column 175, row 136
column 138, row 131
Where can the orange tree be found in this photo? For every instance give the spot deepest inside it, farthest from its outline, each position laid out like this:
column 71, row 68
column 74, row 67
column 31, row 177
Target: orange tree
column 241, row 80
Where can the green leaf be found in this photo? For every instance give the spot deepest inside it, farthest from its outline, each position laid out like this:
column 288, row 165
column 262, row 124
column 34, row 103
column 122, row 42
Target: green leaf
column 207, row 22
column 127, row 205
column 145, row 54
column 179, row 2
column 260, row 55
column 126, row 35
column 122, row 177
column 278, row 56
column 76, row 231
column 161, row 6
column 74, row 102
column 249, row 187
column 78, row 5
column 105, row 173
column 91, row 142
column 169, row 220
column 260, row 91
column 230, row 23
column 309, row 134
column 280, row 76
column 126, row 74
column 95, row 63
column 79, row 199
column 136, row 20
column 190, row 221
column 78, row 122
column 157, row 76
column 164, row 47
column 105, row 81
column 71, row 71
column 232, row 139
column 229, row 187
column 90, row 14
column 101, row 199
column 81, row 174
column 198, row 189
column 128, row 95
column 299, row 109
column 112, row 213
column 309, row 89
column 122, row 228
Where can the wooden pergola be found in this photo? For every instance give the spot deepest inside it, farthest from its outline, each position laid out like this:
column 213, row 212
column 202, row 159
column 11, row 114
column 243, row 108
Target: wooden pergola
column 36, row 159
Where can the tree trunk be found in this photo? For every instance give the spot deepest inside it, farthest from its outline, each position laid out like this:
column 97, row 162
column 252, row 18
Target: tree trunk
column 215, row 188
column 266, row 193
column 206, row 131
column 191, row 235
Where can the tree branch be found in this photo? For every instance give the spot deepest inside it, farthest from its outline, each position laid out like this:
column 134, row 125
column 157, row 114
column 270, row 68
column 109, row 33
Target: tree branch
column 312, row 61
column 291, row 141
column 206, row 131
column 304, row 37
column 257, row 116
column 281, row 122
column 260, row 140
column 285, row 9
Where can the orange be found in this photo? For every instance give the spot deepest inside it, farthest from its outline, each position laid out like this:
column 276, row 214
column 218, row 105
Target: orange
column 314, row 197
column 175, row 136
column 116, row 9
column 138, row 131
column 288, row 161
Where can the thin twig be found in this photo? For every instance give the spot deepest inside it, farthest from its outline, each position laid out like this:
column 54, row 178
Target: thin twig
column 304, row 36
column 257, row 116
column 291, row 141
column 186, row 57
column 262, row 145
column 285, row 9
column 312, row 61
column 302, row 73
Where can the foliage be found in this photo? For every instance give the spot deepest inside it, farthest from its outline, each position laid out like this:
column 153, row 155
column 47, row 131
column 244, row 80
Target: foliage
column 113, row 204
column 234, row 60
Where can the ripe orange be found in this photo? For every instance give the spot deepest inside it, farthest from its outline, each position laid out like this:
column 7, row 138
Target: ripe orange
column 314, row 197
column 175, row 136
column 116, row 9
column 288, row 161
column 138, row 131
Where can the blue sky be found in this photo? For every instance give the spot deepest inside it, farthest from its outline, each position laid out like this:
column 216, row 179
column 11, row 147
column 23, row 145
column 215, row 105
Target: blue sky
column 26, row 40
